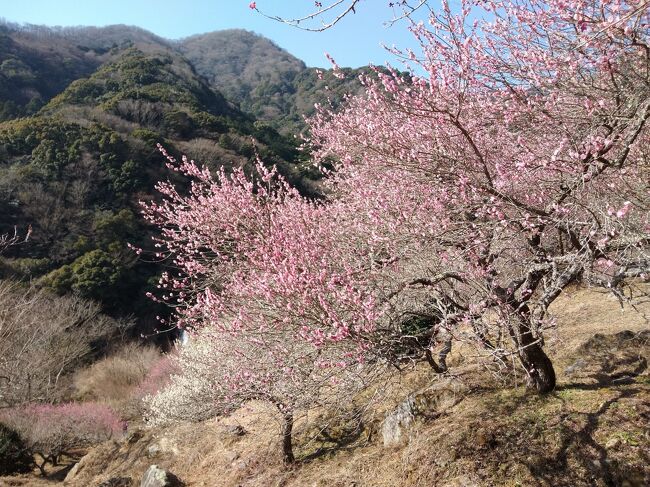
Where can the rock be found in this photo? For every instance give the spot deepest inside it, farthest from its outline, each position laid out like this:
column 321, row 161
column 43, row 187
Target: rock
column 463, row 481
column 575, row 367
column 162, row 446
column 158, row 477
column 428, row 403
column 75, row 470
column 117, row 482
column 153, row 450
column 231, row 456
column 235, row 430
column 445, row 457
column 612, row 443
column 393, row 427
column 229, row 434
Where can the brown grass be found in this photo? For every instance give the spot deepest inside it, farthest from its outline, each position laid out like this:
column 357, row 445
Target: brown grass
column 114, row 379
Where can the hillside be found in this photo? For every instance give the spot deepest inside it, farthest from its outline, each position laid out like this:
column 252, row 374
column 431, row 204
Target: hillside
column 34, row 68
column 446, row 284
column 76, row 168
column 466, row 431
column 263, row 78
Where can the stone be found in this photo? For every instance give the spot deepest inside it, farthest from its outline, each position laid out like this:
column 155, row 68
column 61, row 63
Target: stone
column 75, row 470
column 393, row 427
column 428, row 403
column 162, row 446
column 231, row 456
column 575, row 367
column 153, row 450
column 235, row 430
column 229, row 434
column 158, row 477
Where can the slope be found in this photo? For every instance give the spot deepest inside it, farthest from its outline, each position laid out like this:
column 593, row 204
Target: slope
column 76, row 170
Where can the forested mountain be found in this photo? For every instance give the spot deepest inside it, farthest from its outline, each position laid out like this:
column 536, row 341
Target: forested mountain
column 266, row 80
column 83, row 109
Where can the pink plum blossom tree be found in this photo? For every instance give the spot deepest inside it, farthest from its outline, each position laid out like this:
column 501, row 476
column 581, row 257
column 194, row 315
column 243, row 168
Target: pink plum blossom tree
column 462, row 198
column 50, row 431
column 529, row 131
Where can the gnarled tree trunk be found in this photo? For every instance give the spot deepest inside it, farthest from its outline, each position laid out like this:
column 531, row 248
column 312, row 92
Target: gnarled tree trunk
column 541, row 374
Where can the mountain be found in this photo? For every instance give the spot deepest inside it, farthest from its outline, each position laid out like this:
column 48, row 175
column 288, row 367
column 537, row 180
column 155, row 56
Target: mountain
column 239, row 62
column 263, row 78
column 75, row 165
column 38, row 62
column 34, row 68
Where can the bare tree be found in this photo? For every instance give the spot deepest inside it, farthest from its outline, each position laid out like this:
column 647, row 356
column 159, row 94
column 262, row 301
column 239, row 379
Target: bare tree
column 42, row 338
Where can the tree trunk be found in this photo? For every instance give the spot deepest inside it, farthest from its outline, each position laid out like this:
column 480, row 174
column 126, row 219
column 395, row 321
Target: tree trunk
column 539, row 367
column 441, row 366
column 287, row 447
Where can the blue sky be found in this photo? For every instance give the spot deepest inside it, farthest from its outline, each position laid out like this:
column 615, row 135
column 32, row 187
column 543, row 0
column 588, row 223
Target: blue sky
column 355, row 41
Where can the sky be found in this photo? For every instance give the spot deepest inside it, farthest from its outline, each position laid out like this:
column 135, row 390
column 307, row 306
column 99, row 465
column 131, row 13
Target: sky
column 355, row 41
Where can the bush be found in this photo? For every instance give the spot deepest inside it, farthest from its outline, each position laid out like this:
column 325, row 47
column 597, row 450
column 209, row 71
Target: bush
column 50, row 431
column 43, row 338
column 158, row 376
column 14, row 455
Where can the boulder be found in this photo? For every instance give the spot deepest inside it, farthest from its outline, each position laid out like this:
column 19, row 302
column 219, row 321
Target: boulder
column 158, row 477
column 161, row 447
column 75, row 470
column 229, row 434
column 395, row 424
column 428, row 403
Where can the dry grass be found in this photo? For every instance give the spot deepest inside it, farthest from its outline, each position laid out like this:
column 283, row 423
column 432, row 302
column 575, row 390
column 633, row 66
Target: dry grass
column 583, row 312
column 114, row 379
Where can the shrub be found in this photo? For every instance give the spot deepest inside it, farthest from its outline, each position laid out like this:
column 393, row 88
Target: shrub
column 14, row 456
column 158, row 376
column 50, row 431
column 42, row 339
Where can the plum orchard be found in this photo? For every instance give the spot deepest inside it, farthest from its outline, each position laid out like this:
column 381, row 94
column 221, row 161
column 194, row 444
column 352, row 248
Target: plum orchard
column 460, row 203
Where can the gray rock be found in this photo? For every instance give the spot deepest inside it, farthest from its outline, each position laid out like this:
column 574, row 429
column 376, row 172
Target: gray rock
column 575, row 367
column 396, row 423
column 153, row 450
column 231, row 456
column 158, row 477
column 428, row 403
column 234, row 430
column 75, row 470
column 161, row 447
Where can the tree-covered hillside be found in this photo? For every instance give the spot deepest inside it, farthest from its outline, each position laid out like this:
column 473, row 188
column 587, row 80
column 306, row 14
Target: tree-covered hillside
column 34, row 69
column 76, row 167
column 263, row 78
